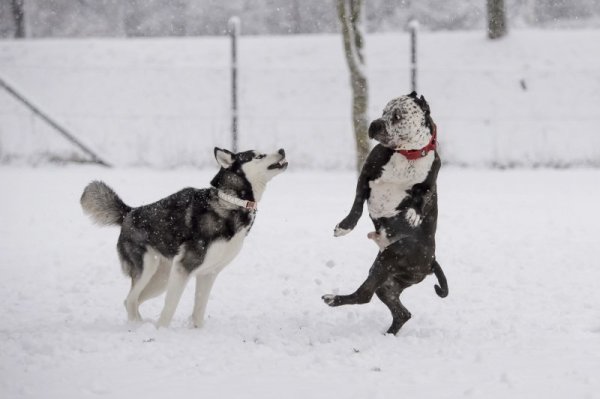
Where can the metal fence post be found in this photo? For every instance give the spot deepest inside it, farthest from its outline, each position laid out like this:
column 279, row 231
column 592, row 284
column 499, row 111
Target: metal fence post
column 413, row 26
column 234, row 32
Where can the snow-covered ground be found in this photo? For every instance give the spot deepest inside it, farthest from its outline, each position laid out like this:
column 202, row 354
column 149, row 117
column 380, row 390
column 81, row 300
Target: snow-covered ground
column 529, row 99
column 520, row 249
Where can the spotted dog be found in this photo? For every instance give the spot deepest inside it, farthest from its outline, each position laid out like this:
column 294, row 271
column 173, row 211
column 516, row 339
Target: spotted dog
column 192, row 233
column 398, row 181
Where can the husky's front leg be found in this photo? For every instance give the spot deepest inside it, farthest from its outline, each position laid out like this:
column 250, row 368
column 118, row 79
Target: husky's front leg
column 177, row 281
column 204, row 285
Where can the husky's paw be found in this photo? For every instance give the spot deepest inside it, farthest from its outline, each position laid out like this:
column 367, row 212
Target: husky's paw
column 339, row 231
column 134, row 320
column 195, row 323
column 162, row 323
column 329, row 299
column 413, row 218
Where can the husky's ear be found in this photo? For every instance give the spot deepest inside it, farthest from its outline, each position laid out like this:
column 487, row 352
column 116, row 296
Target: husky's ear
column 224, row 157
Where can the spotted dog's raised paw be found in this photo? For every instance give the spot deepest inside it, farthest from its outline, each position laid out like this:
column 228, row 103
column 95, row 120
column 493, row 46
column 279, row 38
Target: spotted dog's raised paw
column 339, row 231
column 413, row 218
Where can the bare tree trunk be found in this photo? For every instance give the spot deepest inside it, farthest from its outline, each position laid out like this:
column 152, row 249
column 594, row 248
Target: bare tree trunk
column 496, row 19
column 18, row 13
column 296, row 17
column 349, row 13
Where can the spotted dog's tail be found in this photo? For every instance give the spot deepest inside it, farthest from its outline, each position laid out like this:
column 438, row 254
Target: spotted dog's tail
column 442, row 289
column 103, row 205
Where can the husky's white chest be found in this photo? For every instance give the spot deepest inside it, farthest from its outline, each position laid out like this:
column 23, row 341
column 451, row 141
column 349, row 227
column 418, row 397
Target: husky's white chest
column 221, row 252
column 398, row 176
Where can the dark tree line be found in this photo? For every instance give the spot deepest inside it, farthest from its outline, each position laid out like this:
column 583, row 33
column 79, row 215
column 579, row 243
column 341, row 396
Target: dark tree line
column 18, row 16
column 496, row 19
column 118, row 18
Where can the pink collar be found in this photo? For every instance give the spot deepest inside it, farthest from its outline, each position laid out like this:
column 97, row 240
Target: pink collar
column 237, row 201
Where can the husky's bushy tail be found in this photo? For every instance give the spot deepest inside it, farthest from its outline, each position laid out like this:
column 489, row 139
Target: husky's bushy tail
column 103, row 205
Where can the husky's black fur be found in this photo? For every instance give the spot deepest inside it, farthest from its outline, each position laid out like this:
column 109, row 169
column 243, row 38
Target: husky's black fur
column 190, row 219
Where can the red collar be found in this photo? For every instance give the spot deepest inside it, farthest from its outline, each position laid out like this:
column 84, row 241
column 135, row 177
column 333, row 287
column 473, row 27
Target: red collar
column 411, row 155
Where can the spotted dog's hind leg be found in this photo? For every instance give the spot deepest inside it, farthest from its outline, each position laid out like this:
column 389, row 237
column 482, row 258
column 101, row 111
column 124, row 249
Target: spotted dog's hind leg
column 389, row 294
column 377, row 276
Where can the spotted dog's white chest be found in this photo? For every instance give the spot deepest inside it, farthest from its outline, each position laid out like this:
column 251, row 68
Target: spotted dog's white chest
column 221, row 252
column 398, row 176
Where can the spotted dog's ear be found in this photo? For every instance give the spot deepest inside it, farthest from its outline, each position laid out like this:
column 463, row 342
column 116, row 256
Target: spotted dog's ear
column 413, row 94
column 422, row 103
column 224, row 157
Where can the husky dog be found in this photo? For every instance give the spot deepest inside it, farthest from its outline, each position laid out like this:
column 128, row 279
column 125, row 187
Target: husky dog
column 192, row 233
column 398, row 181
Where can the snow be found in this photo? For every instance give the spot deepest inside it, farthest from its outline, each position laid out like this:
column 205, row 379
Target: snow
column 519, row 248
column 529, row 99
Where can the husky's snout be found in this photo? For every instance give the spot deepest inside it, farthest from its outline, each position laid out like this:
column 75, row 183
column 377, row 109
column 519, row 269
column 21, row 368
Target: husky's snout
column 281, row 163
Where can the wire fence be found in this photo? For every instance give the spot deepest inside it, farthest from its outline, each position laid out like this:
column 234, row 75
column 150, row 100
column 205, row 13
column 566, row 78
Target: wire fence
column 168, row 110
